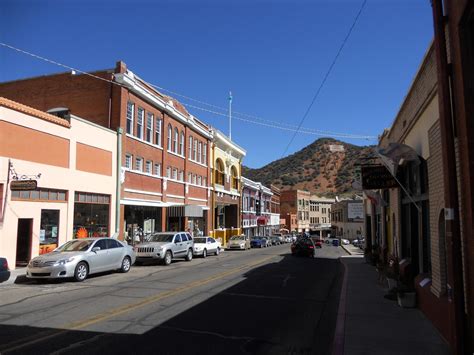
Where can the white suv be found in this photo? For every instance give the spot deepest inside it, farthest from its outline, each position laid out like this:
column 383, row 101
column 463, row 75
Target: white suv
column 165, row 247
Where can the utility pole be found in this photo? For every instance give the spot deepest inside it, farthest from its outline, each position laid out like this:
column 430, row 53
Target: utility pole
column 230, row 115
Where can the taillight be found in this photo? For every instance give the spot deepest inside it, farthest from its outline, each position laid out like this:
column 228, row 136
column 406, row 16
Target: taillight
column 311, row 247
column 5, row 264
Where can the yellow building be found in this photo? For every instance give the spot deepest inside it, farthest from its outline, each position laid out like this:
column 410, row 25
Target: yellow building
column 226, row 168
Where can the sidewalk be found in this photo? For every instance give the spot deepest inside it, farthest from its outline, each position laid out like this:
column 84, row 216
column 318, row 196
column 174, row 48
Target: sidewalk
column 352, row 250
column 18, row 273
column 372, row 324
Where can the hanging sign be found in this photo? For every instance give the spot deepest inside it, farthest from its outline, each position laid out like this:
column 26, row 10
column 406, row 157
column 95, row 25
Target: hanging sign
column 22, row 185
column 377, row 177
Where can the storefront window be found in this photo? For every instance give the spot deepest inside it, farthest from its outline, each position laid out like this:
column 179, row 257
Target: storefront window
column 91, row 215
column 49, row 229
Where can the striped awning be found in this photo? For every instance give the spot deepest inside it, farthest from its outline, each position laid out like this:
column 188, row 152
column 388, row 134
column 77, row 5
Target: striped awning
column 184, row 211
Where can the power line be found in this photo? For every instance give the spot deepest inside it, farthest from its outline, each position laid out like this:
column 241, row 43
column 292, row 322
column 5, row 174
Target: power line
column 254, row 120
column 326, row 76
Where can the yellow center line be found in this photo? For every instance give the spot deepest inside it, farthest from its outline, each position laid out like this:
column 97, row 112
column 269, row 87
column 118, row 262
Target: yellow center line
column 152, row 299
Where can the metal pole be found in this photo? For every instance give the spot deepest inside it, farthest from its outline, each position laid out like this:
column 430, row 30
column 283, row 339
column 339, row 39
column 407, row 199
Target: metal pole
column 119, row 183
column 230, row 115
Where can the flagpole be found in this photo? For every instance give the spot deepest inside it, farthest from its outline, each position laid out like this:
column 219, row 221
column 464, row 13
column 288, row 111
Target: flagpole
column 230, row 115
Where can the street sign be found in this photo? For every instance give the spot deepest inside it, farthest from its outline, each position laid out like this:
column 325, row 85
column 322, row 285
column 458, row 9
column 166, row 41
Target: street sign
column 377, row 177
column 22, row 185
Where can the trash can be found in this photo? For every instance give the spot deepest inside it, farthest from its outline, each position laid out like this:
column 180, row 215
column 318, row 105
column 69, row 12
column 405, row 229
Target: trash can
column 335, row 242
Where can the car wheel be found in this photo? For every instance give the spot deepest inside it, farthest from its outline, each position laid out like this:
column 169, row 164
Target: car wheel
column 204, row 253
column 168, row 258
column 189, row 255
column 81, row 271
column 218, row 250
column 126, row 263
column 261, row 246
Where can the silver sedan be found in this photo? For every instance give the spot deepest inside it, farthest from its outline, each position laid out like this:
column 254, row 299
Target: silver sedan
column 79, row 258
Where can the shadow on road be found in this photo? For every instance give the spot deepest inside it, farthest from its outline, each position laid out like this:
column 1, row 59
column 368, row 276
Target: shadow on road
column 288, row 307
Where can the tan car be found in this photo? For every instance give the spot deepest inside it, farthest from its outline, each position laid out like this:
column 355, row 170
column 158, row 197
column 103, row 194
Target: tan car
column 240, row 242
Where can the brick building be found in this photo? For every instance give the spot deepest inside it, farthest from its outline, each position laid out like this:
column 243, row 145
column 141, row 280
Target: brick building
column 347, row 218
column 164, row 150
column 296, row 202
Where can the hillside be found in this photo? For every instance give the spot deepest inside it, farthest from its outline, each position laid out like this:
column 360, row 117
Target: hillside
column 326, row 166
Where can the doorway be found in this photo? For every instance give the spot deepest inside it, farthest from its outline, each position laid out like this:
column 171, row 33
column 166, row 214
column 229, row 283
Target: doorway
column 23, row 241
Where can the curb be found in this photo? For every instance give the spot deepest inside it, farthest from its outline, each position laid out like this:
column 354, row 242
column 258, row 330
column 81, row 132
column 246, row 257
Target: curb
column 339, row 334
column 347, row 251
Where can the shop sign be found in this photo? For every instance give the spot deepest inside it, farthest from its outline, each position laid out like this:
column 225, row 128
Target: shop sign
column 22, row 185
column 355, row 211
column 377, row 177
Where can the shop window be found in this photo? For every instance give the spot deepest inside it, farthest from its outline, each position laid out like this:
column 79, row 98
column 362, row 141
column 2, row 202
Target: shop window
column 158, row 169
column 181, row 144
column 49, row 231
column 40, row 194
column 191, row 147
column 128, row 161
column 149, row 127
column 148, row 167
column 139, row 164
column 158, row 126
column 170, row 132
column 130, row 114
column 200, row 152
column 195, row 150
column 235, row 178
column 140, row 114
column 219, row 172
column 91, row 215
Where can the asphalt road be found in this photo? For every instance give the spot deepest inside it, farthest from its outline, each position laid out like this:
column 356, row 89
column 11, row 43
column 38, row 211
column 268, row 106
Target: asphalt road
column 262, row 301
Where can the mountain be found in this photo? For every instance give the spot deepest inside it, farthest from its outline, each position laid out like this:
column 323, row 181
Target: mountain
column 326, row 167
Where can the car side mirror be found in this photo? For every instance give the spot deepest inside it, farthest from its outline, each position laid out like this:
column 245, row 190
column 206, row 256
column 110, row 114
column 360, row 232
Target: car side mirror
column 94, row 249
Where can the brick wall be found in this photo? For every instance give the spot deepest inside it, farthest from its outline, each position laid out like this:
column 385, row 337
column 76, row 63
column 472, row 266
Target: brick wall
column 436, row 201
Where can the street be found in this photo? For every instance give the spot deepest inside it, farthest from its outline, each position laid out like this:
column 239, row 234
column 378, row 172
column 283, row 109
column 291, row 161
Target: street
column 258, row 301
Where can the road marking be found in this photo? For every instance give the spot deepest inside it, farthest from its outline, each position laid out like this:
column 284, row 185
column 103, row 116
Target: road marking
column 133, row 306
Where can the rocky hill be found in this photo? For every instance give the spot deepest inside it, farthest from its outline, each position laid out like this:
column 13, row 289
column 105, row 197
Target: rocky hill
column 326, row 166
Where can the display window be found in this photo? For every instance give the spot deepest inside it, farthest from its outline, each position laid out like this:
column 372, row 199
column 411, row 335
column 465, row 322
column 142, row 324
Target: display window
column 91, row 215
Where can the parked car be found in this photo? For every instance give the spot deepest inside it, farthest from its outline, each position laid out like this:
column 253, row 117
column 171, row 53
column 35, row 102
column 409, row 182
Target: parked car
column 258, row 242
column 275, row 240
column 240, row 242
column 318, row 244
column 288, row 239
column 206, row 245
column 4, row 270
column 79, row 258
column 166, row 246
column 303, row 247
column 267, row 241
column 345, row 241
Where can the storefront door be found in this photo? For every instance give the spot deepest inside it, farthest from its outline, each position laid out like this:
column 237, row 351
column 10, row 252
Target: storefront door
column 23, row 241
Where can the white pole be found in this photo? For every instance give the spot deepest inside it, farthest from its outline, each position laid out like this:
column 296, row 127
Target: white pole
column 230, row 115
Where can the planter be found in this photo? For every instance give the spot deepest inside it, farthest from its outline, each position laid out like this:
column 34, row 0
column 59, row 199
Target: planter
column 392, row 283
column 407, row 299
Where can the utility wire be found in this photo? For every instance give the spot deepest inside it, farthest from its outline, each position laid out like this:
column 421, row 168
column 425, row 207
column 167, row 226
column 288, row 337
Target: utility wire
column 264, row 122
column 326, row 76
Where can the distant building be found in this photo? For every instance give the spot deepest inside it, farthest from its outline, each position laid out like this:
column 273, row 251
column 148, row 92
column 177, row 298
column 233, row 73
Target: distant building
column 320, row 215
column 257, row 215
column 347, row 218
column 296, row 202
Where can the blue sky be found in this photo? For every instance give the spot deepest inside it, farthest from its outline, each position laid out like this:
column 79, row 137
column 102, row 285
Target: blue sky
column 273, row 55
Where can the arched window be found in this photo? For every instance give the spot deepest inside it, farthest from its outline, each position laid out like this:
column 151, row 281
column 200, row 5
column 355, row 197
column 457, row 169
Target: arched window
column 191, row 147
column 235, row 178
column 170, row 132
column 181, row 144
column 175, row 142
column 219, row 173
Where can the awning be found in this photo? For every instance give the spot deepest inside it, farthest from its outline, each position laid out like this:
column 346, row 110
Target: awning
column 395, row 154
column 261, row 221
column 185, row 211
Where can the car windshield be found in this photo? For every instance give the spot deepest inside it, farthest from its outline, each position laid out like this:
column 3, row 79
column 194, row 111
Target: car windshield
column 199, row 240
column 162, row 238
column 236, row 237
column 75, row 245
